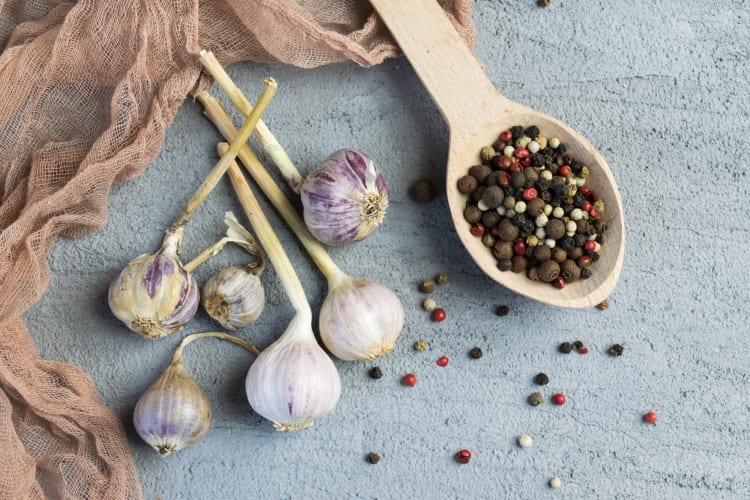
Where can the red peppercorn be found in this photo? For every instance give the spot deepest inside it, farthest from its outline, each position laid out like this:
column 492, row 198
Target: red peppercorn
column 529, row 194
column 584, row 190
column 526, row 162
column 559, row 282
column 463, row 456
column 519, row 247
column 586, row 206
column 503, row 180
column 438, row 314
column 583, row 350
column 409, row 380
column 650, row 418
column 590, row 246
column 564, row 171
column 442, row 361
column 495, row 231
column 506, row 136
column 583, row 261
column 521, row 153
column 558, row 399
column 516, row 167
column 477, row 230
column 594, row 213
column 505, row 162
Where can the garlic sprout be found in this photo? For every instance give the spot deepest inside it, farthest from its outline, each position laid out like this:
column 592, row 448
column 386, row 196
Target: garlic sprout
column 155, row 295
column 174, row 412
column 359, row 319
column 293, row 381
column 344, row 199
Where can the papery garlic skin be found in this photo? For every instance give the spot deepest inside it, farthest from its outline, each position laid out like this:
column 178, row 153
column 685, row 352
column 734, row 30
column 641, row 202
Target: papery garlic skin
column 293, row 382
column 360, row 320
column 345, row 198
column 154, row 295
column 234, row 297
column 173, row 413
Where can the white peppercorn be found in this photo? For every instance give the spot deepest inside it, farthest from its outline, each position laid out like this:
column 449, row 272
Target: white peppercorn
column 525, row 441
column 533, row 147
column 554, row 142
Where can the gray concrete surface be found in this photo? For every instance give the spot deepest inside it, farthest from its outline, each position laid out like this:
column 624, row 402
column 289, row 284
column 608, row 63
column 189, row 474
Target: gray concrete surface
column 662, row 89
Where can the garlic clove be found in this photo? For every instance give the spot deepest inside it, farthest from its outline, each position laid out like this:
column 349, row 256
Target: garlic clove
column 360, row 320
column 234, row 297
column 345, row 198
column 154, row 295
column 293, row 382
column 173, row 413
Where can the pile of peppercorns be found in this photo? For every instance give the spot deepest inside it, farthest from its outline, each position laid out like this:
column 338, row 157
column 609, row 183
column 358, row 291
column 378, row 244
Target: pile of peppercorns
column 529, row 203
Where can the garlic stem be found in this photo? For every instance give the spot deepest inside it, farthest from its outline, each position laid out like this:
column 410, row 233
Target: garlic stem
column 216, row 113
column 221, row 166
column 207, row 254
column 267, row 139
column 177, row 357
column 235, row 234
column 270, row 242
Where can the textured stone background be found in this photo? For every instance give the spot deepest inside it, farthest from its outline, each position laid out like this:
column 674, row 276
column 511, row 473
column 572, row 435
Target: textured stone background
column 662, row 89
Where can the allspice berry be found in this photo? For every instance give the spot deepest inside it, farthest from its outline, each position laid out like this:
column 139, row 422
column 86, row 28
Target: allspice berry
column 493, row 196
column 535, row 206
column 517, row 180
column 570, row 271
column 373, row 457
column 424, row 190
column 542, row 253
column 490, row 218
column 503, row 250
column 472, row 214
column 548, row 270
column 467, row 184
column 480, row 172
column 519, row 263
column 531, row 176
column 533, row 274
column 507, row 231
column 559, row 255
column 555, row 229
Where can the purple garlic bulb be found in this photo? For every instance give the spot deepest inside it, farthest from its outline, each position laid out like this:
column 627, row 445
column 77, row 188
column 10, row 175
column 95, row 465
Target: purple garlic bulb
column 345, row 198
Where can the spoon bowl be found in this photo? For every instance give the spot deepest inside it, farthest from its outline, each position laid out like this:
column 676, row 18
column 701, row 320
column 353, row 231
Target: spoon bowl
column 476, row 113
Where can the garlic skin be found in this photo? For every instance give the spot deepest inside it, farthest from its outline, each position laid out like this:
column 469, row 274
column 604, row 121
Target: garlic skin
column 345, row 198
column 154, row 295
column 173, row 413
column 234, row 297
column 293, row 382
column 360, row 320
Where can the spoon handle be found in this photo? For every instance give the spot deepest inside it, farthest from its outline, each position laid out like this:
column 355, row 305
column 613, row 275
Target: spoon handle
column 444, row 63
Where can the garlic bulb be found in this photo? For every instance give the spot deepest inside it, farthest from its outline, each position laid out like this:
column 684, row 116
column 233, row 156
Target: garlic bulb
column 359, row 319
column 154, row 295
column 293, row 382
column 174, row 412
column 234, row 297
column 345, row 198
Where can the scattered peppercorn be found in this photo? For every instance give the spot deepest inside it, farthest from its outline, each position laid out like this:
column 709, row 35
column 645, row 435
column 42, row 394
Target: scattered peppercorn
column 441, row 279
column 503, row 310
column 476, row 353
column 438, row 314
column 429, row 304
column 616, row 350
column 463, row 456
column 536, row 398
column 555, row 482
column 541, row 379
column 426, row 286
column 583, row 350
column 373, row 457
column 423, row 190
column 578, row 344
column 376, row 373
column 409, row 380
column 650, row 418
column 558, row 399
column 566, row 347
column 604, row 304
column 442, row 361
column 420, row 345
column 525, row 441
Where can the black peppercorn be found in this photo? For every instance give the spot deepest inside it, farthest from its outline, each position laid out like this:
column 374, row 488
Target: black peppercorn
column 467, row 184
column 527, row 225
column 578, row 345
column 472, row 214
column 578, row 199
column 476, row 353
column 531, row 176
column 546, row 195
column 503, row 310
column 566, row 347
column 585, row 273
column 541, row 379
column 373, row 457
column 375, row 372
column 616, row 350
column 594, row 256
column 562, row 148
column 493, row 196
column 480, row 172
column 516, row 131
column 532, row 132
column 567, row 243
column 600, row 238
column 504, row 264
column 537, row 159
column 519, row 263
column 542, row 185
column 579, row 239
column 548, row 270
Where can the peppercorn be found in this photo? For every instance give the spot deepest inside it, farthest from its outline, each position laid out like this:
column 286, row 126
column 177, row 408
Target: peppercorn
column 441, row 278
column 424, row 190
column 509, row 202
column 426, row 286
column 559, row 255
column 504, row 264
column 409, row 380
column 585, row 273
column 480, row 172
column 555, row 482
column 493, row 196
column 570, row 271
column 603, row 305
column 477, row 230
column 516, row 131
column 578, row 241
column 488, row 240
column 420, row 345
column 438, row 314
column 463, row 456
column 650, row 418
column 541, row 379
column 491, row 218
column 476, row 353
column 502, row 310
column 506, row 135
column 519, row 263
column 442, row 361
column 375, row 373
column 558, row 399
column 566, row 347
column 472, row 214
column 616, row 350
column 578, row 344
column 466, row 184
column 487, row 153
column 576, row 253
column 583, row 350
column 373, row 457
column 549, row 270
column 527, row 225
column 542, row 253
column 536, row 399
column 429, row 304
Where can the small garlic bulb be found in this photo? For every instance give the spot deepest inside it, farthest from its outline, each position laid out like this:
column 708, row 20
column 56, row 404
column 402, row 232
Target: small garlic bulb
column 293, row 381
column 234, row 297
column 174, row 412
column 154, row 295
column 345, row 198
column 360, row 320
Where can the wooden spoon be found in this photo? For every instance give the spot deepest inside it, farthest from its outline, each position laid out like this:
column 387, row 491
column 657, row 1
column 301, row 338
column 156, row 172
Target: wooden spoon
column 476, row 113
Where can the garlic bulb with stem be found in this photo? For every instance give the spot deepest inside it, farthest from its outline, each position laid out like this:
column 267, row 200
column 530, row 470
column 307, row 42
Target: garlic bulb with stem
column 234, row 297
column 360, row 319
column 293, row 382
column 344, row 199
column 155, row 295
column 174, row 412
